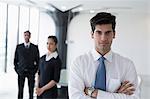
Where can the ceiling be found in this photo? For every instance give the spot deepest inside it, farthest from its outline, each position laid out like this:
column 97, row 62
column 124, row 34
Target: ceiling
column 86, row 5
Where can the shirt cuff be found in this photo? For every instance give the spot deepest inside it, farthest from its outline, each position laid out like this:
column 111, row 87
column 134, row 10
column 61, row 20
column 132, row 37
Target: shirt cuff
column 102, row 94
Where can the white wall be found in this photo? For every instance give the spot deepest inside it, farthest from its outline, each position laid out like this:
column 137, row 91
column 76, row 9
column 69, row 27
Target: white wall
column 47, row 27
column 148, row 24
column 132, row 38
column 79, row 38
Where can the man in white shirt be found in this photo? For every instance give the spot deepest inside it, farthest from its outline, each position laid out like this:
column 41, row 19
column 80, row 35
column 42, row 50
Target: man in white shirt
column 121, row 76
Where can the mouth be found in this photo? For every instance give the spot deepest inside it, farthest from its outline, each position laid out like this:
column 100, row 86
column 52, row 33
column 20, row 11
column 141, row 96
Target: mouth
column 103, row 43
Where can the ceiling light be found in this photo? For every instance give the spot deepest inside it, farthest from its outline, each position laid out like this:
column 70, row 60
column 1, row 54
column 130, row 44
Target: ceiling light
column 80, row 9
column 63, row 7
column 92, row 11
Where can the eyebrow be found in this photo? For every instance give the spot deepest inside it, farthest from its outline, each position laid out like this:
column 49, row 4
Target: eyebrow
column 106, row 31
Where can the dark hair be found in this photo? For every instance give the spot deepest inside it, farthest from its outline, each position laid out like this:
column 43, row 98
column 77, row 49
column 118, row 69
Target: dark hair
column 54, row 39
column 103, row 18
column 28, row 32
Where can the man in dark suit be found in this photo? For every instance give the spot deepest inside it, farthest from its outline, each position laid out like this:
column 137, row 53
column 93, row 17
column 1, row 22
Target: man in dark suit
column 26, row 64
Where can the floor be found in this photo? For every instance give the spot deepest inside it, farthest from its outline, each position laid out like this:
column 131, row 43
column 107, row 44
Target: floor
column 8, row 86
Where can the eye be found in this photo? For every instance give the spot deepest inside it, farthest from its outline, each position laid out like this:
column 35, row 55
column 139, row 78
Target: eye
column 98, row 32
column 108, row 32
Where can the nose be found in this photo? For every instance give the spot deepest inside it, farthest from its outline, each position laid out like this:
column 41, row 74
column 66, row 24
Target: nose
column 103, row 37
column 48, row 45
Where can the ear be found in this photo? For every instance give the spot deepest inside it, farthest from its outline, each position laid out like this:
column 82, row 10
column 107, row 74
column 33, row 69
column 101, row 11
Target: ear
column 92, row 34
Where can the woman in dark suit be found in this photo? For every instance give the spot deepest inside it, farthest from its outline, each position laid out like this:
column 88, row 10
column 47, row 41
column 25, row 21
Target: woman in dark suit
column 49, row 71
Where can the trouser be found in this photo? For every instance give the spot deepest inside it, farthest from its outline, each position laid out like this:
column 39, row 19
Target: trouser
column 21, row 81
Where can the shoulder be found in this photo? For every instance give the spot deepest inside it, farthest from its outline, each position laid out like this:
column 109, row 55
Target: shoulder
column 123, row 62
column 80, row 63
column 121, row 58
column 20, row 45
column 83, row 58
column 43, row 57
column 58, row 60
column 33, row 45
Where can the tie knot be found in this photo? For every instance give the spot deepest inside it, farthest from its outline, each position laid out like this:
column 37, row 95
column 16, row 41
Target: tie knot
column 101, row 59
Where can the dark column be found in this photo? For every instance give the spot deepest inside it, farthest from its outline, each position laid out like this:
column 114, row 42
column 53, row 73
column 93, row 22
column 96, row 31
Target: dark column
column 6, row 42
column 62, row 20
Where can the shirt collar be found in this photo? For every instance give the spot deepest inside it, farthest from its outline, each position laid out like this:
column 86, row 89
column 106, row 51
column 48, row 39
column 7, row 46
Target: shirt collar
column 54, row 54
column 25, row 44
column 96, row 55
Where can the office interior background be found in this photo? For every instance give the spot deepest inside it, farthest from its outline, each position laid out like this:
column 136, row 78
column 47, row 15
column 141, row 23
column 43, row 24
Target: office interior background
column 132, row 34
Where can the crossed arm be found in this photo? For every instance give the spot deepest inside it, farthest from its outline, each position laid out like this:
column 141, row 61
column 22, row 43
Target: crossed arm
column 126, row 88
column 79, row 90
column 126, row 91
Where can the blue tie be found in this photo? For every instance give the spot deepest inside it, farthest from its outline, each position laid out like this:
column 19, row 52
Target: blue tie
column 100, row 80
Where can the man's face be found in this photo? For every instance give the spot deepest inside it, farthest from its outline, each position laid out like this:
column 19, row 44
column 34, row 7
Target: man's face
column 27, row 37
column 103, row 36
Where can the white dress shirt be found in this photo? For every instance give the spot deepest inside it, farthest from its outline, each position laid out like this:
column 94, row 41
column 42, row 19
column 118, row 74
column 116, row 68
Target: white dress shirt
column 27, row 44
column 82, row 74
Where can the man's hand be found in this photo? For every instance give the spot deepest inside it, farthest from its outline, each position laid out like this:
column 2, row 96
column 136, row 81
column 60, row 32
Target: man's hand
column 126, row 88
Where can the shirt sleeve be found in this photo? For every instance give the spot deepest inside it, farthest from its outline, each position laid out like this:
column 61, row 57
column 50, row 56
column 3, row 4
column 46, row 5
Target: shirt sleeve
column 16, row 57
column 131, row 76
column 76, row 82
column 57, row 69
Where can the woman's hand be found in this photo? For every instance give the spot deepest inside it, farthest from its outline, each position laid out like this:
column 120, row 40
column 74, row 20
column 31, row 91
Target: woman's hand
column 39, row 91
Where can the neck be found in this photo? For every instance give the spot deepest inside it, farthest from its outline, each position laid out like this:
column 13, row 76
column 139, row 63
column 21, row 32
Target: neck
column 27, row 42
column 102, row 52
column 49, row 52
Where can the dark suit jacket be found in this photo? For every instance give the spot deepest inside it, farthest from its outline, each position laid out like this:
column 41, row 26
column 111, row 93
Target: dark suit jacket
column 26, row 59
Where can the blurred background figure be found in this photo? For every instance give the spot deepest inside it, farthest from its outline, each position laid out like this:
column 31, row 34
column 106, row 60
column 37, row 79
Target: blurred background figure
column 26, row 64
column 49, row 71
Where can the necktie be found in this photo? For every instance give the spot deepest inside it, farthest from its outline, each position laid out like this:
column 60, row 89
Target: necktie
column 100, row 81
